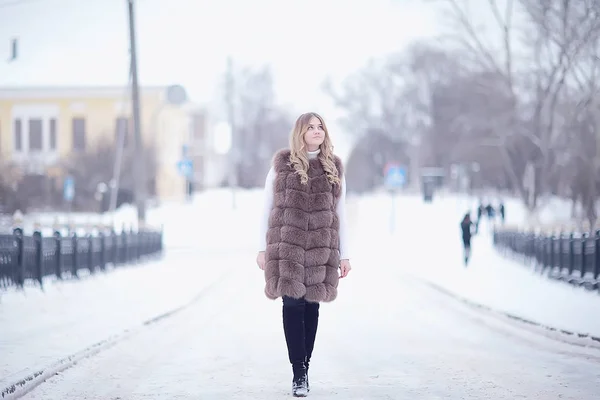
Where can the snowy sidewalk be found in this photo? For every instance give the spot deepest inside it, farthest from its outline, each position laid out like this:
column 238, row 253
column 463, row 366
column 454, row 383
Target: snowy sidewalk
column 203, row 240
column 40, row 328
column 431, row 249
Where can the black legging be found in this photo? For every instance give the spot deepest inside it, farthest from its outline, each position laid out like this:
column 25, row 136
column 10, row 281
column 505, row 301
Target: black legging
column 300, row 321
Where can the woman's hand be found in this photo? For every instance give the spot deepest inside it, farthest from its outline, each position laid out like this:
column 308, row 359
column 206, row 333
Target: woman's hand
column 345, row 268
column 260, row 260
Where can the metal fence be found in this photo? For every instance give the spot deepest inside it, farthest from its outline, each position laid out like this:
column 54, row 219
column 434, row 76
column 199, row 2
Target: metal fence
column 570, row 257
column 31, row 258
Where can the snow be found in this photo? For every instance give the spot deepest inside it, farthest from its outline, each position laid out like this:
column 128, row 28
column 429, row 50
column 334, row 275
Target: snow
column 39, row 328
column 210, row 260
column 552, row 211
column 405, row 341
column 432, row 244
column 124, row 218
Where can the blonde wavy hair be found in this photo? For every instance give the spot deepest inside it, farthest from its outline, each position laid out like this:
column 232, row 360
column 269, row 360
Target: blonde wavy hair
column 299, row 155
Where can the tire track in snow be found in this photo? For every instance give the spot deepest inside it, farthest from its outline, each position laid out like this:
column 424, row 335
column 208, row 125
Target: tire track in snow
column 41, row 374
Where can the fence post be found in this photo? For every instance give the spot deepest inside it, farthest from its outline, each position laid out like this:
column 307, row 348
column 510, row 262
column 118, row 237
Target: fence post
column 552, row 255
column 527, row 248
column 102, row 250
column 597, row 258
column 571, row 253
column 545, row 254
column 160, row 239
column 20, row 267
column 90, row 254
column 115, row 247
column 123, row 246
column 584, row 238
column 542, row 249
column 58, row 250
column 39, row 258
column 133, row 238
column 561, row 235
column 75, row 266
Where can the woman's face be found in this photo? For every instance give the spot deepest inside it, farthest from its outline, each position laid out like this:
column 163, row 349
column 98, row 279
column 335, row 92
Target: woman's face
column 315, row 134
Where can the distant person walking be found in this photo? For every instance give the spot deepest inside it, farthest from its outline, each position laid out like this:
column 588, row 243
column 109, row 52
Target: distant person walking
column 502, row 212
column 465, row 227
column 480, row 210
column 304, row 237
column 490, row 211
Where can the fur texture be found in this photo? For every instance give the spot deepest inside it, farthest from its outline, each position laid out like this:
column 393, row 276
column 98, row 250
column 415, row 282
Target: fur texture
column 302, row 255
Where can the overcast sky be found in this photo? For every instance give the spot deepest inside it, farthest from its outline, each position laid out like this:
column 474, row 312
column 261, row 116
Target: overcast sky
column 85, row 42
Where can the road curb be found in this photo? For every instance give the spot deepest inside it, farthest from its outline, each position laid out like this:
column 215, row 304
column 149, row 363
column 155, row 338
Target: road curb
column 584, row 340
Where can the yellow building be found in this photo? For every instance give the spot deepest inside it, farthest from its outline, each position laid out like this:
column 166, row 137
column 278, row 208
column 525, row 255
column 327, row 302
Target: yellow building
column 41, row 126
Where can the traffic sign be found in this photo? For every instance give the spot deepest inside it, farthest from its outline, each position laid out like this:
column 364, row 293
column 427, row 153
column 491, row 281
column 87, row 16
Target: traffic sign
column 69, row 188
column 185, row 167
column 395, row 176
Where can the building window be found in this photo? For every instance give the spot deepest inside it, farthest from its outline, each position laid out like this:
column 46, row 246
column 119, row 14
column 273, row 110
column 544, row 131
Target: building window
column 122, row 128
column 53, row 134
column 79, row 134
column 18, row 136
column 35, row 134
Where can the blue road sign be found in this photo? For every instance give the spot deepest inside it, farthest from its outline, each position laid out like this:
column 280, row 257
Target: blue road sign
column 69, row 189
column 185, row 167
column 395, row 176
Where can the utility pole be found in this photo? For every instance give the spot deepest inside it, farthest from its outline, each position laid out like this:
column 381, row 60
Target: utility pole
column 114, row 187
column 140, row 175
column 233, row 151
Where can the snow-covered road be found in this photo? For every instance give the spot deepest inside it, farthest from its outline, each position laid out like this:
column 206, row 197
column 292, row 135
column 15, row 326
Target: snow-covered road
column 387, row 336
column 397, row 330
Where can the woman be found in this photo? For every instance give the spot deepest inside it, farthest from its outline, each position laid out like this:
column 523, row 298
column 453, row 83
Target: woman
column 303, row 239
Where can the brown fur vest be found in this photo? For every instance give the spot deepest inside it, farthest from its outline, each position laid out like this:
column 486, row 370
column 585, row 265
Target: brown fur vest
column 302, row 255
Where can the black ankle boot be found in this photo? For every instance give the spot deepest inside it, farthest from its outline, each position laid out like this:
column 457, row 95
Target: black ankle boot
column 300, row 381
column 307, row 382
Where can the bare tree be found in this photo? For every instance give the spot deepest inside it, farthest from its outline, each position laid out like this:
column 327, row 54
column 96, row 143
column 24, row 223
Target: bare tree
column 95, row 166
column 553, row 37
column 390, row 100
column 11, row 198
column 519, row 97
column 262, row 126
column 377, row 97
column 492, row 55
column 580, row 151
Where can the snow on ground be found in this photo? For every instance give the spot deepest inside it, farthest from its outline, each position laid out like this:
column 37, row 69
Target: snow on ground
column 210, row 221
column 431, row 249
column 385, row 337
column 38, row 328
column 552, row 211
column 125, row 217
column 206, row 240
